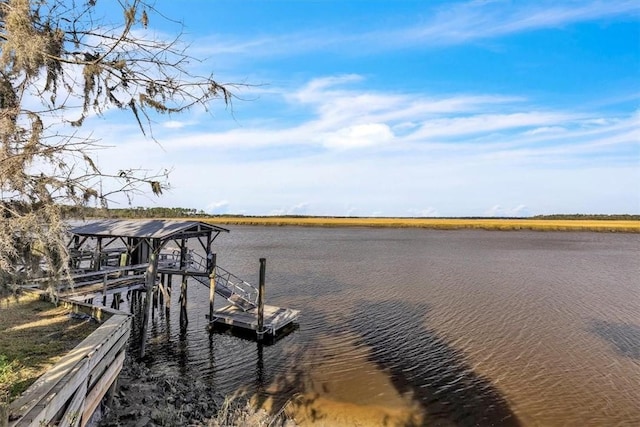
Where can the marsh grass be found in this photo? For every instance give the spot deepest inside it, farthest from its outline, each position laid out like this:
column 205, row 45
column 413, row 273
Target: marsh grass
column 627, row 226
column 238, row 411
column 35, row 334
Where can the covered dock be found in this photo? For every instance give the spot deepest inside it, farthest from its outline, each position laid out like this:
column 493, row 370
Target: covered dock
column 112, row 256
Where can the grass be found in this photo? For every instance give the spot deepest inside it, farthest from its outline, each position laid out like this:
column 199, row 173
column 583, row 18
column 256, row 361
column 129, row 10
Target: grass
column 237, row 411
column 35, row 334
column 627, row 226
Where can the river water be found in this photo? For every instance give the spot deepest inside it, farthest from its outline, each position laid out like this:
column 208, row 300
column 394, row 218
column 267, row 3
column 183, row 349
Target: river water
column 427, row 327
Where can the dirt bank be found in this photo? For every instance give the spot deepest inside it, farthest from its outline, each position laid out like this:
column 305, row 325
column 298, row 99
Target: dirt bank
column 144, row 398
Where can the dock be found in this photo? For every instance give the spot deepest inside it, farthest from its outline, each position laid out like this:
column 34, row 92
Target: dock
column 111, row 260
column 275, row 318
column 111, row 257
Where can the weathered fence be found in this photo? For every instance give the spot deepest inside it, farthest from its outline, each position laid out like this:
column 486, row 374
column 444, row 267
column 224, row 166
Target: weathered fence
column 69, row 393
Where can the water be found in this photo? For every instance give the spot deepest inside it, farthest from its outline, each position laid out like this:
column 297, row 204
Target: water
column 412, row 327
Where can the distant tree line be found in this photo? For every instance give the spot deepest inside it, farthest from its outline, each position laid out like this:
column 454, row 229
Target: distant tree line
column 596, row 217
column 162, row 212
column 75, row 212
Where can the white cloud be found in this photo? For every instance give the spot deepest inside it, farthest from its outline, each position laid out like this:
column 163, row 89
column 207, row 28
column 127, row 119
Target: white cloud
column 469, row 21
column 403, row 157
column 482, row 123
column 429, row 212
column 299, row 209
column 393, row 122
column 545, row 130
column 358, row 136
column 174, row 124
column 451, row 24
column 499, row 211
column 218, row 207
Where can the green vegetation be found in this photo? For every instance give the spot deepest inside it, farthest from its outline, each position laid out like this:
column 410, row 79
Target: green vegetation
column 35, row 335
column 133, row 212
column 8, row 372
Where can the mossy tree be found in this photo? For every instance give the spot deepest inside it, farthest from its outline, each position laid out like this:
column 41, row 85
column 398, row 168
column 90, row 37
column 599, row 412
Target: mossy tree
column 60, row 62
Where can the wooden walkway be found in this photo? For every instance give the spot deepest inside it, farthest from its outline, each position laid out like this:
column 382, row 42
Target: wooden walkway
column 94, row 284
column 69, row 393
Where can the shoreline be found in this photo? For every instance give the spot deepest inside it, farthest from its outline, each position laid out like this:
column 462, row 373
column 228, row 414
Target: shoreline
column 497, row 224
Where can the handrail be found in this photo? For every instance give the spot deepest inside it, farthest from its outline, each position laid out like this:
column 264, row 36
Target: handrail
column 237, row 291
column 238, row 286
column 235, row 286
column 69, row 392
column 197, row 261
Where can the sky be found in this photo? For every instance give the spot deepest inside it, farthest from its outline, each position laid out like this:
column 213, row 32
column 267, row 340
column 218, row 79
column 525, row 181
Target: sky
column 401, row 108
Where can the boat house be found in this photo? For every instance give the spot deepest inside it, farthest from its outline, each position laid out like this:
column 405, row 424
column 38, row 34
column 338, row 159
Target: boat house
column 109, row 256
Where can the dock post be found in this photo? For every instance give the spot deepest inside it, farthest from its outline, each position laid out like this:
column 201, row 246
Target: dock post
column 154, row 302
column 161, row 293
column 260, row 331
column 212, row 286
column 151, row 279
column 168, row 296
column 104, row 289
column 183, row 303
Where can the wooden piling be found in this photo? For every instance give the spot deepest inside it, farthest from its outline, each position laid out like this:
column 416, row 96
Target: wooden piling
column 212, row 285
column 161, row 293
column 168, row 293
column 109, row 395
column 115, row 301
column 151, row 279
column 153, row 304
column 260, row 331
column 183, row 303
column 104, row 290
column 161, row 290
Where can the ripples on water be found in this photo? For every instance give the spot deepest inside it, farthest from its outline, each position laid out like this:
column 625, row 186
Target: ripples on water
column 428, row 327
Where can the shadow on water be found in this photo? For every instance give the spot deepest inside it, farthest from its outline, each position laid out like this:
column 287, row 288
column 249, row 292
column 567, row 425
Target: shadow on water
column 623, row 337
column 292, row 387
column 422, row 365
column 250, row 335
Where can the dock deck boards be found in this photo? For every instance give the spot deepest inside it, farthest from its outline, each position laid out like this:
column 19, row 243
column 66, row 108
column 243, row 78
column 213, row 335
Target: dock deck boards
column 275, row 318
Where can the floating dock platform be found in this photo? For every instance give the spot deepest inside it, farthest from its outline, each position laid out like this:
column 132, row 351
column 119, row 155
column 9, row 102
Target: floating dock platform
column 275, row 318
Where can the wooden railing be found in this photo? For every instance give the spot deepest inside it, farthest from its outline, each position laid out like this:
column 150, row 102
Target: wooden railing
column 69, row 393
column 92, row 284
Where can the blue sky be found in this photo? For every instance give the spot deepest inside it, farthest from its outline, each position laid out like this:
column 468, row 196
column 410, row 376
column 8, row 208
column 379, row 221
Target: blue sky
column 403, row 108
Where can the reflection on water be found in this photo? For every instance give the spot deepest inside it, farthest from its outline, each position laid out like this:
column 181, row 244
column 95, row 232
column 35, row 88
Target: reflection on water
column 425, row 327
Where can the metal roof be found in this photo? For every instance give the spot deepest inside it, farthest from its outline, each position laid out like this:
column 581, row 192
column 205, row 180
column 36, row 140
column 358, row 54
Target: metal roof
column 151, row 229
